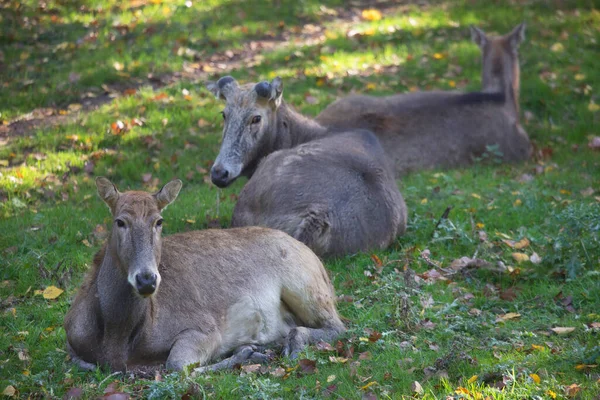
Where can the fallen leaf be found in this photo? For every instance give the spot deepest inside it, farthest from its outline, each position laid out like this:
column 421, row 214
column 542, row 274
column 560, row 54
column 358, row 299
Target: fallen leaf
column 307, row 366
column 537, row 347
column 52, row 292
column 472, row 379
column 594, row 144
column 371, row 15
column 376, row 260
column 338, row 360
column 278, row 372
column 368, row 385
column 9, row 391
column 535, row 258
column 374, row 336
column 585, row 367
column 73, row 393
column 593, row 107
column 251, row 368
column 416, row 387
column 465, row 262
column 509, row 316
column 536, row 378
column 557, row 47
column 520, row 257
column 562, row 330
column 331, row 378
column 572, row 390
column 461, row 390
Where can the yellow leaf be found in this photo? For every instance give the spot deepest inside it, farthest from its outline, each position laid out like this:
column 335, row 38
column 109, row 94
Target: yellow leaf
column 331, row 35
column 593, row 107
column 583, row 367
column 562, row 331
column 371, row 14
column 557, row 47
column 330, row 378
column 520, row 257
column 52, row 292
column 9, row 391
column 38, row 292
column 475, row 195
column 451, row 83
column 472, row 379
column 74, row 107
column 424, row 201
column 371, row 86
column 369, row 32
column 86, row 243
column 118, row 66
column 187, row 97
column 565, row 192
column 537, row 347
column 190, row 221
column 517, row 202
column 551, row 393
column 536, row 378
column 579, row 77
column 479, row 225
column 363, row 339
column 510, row 315
column 521, row 244
column 368, row 385
column 438, row 56
column 461, row 390
column 25, row 372
column 338, row 360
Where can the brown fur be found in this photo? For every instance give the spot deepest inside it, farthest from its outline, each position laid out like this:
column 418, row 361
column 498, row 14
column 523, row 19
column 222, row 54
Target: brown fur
column 219, row 290
column 445, row 129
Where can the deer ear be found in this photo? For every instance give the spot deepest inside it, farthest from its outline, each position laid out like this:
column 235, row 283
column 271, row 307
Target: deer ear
column 107, row 192
column 478, row 36
column 168, row 193
column 276, row 91
column 222, row 87
column 516, row 36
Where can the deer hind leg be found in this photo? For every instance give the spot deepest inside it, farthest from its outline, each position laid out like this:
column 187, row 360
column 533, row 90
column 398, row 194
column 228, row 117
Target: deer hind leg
column 301, row 336
column 193, row 347
column 313, row 230
column 243, row 354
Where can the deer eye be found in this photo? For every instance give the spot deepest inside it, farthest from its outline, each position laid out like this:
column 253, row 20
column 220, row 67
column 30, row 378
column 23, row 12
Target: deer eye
column 120, row 223
column 256, row 119
column 159, row 222
column 223, row 114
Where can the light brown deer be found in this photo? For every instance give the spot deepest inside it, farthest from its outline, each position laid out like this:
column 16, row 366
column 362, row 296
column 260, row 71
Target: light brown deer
column 197, row 296
column 334, row 192
column 446, row 129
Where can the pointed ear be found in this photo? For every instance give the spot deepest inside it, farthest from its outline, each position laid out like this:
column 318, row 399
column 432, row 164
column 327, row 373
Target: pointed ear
column 223, row 87
column 107, row 192
column 276, row 91
column 516, row 36
column 168, row 193
column 478, row 36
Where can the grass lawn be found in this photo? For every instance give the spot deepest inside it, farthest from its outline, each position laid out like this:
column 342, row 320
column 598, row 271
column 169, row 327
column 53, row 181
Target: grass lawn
column 114, row 88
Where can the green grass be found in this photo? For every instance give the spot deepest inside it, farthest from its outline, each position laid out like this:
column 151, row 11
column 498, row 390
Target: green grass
column 441, row 333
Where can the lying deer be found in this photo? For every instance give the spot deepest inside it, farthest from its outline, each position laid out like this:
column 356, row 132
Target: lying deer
column 446, row 129
column 196, row 296
column 335, row 193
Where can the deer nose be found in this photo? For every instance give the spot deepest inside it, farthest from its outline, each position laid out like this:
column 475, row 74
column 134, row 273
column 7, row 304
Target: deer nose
column 219, row 176
column 145, row 283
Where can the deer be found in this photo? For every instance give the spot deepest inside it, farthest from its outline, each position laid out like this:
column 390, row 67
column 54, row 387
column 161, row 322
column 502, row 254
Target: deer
column 334, row 192
column 428, row 130
column 190, row 298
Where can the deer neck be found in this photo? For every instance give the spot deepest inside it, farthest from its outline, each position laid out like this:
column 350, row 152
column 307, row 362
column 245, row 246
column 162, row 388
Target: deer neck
column 122, row 310
column 498, row 80
column 295, row 129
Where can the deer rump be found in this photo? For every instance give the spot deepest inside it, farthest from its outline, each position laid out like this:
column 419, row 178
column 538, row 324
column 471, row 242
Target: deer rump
column 336, row 194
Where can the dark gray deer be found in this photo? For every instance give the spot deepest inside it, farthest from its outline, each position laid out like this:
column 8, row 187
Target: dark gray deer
column 334, row 192
column 446, row 129
column 196, row 296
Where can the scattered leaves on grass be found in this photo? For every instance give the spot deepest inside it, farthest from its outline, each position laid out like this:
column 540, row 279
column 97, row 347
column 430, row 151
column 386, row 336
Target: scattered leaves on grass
column 562, row 330
column 52, row 292
column 466, row 262
column 521, row 244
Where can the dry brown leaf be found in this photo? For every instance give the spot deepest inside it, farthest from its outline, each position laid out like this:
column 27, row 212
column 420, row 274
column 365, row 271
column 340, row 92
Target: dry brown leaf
column 9, row 391
column 465, row 262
